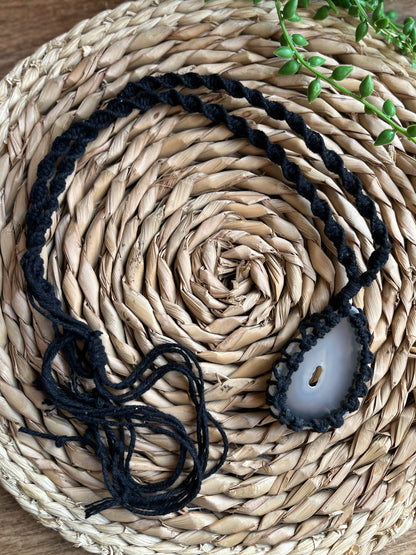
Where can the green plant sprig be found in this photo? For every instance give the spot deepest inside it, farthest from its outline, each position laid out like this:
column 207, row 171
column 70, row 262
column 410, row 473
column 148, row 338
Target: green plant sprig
column 402, row 35
column 289, row 50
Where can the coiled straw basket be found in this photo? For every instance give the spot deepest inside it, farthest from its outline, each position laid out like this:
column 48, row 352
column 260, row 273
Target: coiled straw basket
column 229, row 295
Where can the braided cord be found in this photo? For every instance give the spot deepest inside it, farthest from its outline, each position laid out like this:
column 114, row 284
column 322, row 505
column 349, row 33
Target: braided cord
column 313, row 140
column 105, row 412
column 142, row 95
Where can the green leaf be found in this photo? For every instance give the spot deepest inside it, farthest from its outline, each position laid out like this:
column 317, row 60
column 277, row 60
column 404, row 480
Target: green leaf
column 381, row 23
column 255, row 2
column 283, row 40
column 295, row 18
column 389, row 108
column 341, row 72
column 322, row 13
column 392, row 15
column 333, row 6
column 368, row 110
column 289, row 68
column 354, row 11
column 409, row 24
column 299, row 40
column 284, row 52
column 385, row 137
column 412, row 35
column 290, row 8
column 314, row 89
column 378, row 13
column 304, row 3
column 361, row 31
column 412, row 130
column 366, row 86
column 316, row 61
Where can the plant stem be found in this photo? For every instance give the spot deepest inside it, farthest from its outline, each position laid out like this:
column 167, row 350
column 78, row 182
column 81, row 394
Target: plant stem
column 386, row 32
column 333, row 83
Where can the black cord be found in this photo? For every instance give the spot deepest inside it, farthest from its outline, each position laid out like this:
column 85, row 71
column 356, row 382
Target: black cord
column 106, row 413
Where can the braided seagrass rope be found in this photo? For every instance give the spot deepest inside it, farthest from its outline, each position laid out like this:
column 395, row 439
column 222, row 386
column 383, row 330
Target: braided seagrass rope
column 279, row 491
column 101, row 410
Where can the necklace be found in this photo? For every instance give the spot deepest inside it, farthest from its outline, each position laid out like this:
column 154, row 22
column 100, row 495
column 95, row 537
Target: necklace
column 112, row 424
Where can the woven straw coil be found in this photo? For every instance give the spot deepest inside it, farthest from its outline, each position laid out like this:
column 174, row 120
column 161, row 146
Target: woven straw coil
column 172, row 229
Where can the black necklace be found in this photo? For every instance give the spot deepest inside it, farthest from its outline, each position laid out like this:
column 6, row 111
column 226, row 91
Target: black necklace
column 111, row 424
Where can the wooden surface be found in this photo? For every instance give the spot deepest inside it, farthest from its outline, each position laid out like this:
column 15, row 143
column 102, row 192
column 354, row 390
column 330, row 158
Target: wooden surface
column 24, row 27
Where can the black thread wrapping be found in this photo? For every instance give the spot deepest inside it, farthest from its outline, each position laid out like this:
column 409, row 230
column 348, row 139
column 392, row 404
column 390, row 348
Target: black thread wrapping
column 105, row 414
column 310, row 331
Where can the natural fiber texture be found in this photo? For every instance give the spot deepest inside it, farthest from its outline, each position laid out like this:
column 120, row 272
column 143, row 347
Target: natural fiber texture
column 253, row 264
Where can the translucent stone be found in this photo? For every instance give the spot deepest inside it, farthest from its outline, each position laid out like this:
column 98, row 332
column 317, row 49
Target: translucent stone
column 323, row 378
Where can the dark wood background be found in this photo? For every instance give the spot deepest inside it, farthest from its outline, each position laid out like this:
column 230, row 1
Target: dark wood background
column 24, row 27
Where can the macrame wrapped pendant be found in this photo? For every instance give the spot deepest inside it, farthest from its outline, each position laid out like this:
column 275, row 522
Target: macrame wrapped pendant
column 321, row 373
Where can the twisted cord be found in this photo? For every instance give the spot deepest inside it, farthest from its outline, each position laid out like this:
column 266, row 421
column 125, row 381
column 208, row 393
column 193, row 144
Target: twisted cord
column 314, row 141
column 105, row 412
column 142, row 95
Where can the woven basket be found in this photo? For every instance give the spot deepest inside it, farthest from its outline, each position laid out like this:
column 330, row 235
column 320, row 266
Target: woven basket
column 232, row 301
